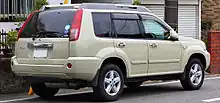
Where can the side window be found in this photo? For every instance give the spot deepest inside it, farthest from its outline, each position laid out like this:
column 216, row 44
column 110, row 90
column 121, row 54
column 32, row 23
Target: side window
column 102, row 24
column 127, row 29
column 154, row 29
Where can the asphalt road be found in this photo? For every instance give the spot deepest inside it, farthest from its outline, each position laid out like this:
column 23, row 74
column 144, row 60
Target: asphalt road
column 166, row 92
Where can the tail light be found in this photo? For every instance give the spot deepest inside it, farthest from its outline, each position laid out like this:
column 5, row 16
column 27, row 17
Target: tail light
column 69, row 65
column 76, row 25
column 25, row 23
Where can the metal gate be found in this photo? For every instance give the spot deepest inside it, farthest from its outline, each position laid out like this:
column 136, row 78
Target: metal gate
column 14, row 9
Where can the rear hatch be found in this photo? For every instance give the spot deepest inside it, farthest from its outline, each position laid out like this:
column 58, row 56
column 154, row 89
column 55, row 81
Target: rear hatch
column 44, row 37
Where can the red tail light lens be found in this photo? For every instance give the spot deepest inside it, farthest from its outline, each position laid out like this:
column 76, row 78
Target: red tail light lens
column 25, row 23
column 69, row 65
column 76, row 25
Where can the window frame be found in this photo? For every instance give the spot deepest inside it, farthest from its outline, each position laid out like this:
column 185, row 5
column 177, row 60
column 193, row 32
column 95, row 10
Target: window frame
column 138, row 20
column 154, row 18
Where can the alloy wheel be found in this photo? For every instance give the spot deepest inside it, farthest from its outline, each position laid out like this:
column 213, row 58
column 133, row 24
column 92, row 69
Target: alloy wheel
column 112, row 83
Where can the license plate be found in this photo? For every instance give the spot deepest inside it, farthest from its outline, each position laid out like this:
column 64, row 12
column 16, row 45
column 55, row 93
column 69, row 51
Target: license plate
column 40, row 53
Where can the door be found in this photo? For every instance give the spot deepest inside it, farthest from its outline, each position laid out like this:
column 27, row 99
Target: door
column 130, row 44
column 45, row 38
column 163, row 54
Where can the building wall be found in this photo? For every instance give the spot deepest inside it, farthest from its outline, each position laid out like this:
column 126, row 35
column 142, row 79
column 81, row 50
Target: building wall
column 7, row 26
column 211, row 12
column 214, row 48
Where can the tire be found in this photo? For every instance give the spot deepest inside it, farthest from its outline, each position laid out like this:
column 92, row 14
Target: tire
column 112, row 88
column 194, row 75
column 133, row 84
column 43, row 91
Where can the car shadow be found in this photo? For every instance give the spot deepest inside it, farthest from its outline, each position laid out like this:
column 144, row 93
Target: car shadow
column 128, row 93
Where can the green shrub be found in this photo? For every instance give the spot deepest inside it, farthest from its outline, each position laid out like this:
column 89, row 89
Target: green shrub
column 137, row 2
column 39, row 4
column 11, row 37
column 206, row 24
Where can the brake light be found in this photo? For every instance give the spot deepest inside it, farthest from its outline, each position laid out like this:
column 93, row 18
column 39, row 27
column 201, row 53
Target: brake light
column 25, row 23
column 76, row 25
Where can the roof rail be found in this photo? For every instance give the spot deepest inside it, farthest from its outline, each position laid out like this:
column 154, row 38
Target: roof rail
column 107, row 6
column 114, row 7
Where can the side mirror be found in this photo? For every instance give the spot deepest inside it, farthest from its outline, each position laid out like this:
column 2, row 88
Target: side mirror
column 173, row 35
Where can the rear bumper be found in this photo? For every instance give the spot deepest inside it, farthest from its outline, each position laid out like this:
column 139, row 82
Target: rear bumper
column 84, row 68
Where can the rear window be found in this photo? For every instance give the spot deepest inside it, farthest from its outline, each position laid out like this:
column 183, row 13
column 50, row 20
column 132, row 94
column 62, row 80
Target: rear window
column 50, row 24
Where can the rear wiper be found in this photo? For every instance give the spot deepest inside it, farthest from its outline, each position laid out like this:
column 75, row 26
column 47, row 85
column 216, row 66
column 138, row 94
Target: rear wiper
column 45, row 33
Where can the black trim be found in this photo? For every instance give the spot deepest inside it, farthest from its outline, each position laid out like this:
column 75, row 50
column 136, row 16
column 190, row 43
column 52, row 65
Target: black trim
column 156, row 77
column 94, row 82
column 51, row 80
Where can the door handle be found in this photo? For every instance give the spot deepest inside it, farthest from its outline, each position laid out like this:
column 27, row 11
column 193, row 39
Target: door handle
column 153, row 45
column 121, row 44
column 40, row 45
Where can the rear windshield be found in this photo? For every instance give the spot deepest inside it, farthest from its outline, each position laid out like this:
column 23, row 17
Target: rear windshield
column 49, row 24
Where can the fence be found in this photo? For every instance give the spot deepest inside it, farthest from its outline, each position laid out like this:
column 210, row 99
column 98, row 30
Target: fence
column 11, row 10
column 4, row 47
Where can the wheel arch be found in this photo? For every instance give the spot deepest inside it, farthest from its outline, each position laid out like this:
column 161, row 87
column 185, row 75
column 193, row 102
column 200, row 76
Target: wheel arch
column 197, row 55
column 114, row 60
column 117, row 61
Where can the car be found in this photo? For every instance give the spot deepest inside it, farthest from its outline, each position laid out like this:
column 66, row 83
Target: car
column 104, row 46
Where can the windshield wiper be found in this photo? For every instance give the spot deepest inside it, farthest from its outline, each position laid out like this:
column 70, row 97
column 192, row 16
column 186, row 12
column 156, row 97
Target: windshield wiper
column 45, row 33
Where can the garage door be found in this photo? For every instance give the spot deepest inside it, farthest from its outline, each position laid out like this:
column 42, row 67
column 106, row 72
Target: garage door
column 157, row 9
column 188, row 21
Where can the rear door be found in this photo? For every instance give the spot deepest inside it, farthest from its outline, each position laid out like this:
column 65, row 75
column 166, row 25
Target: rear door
column 130, row 42
column 45, row 37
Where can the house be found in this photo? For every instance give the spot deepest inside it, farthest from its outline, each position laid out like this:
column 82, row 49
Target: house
column 189, row 13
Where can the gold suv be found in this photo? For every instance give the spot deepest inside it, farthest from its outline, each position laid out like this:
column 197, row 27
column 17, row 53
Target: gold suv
column 104, row 46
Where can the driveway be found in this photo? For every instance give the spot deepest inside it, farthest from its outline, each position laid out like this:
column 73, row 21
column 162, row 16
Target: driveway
column 165, row 92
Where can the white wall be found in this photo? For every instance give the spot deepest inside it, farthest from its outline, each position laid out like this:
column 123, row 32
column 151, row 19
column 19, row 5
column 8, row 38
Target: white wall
column 53, row 2
column 7, row 26
column 56, row 2
column 113, row 1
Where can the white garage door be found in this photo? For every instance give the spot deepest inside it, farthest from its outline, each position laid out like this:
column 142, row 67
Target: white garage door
column 188, row 21
column 157, row 9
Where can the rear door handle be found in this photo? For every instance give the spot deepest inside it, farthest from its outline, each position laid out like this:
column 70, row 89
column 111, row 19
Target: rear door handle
column 121, row 44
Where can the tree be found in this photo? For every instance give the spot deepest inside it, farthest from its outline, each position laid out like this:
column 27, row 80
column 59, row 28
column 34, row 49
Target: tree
column 39, row 4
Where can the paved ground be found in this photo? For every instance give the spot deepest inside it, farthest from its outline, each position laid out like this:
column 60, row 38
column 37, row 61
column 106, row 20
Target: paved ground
column 166, row 92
